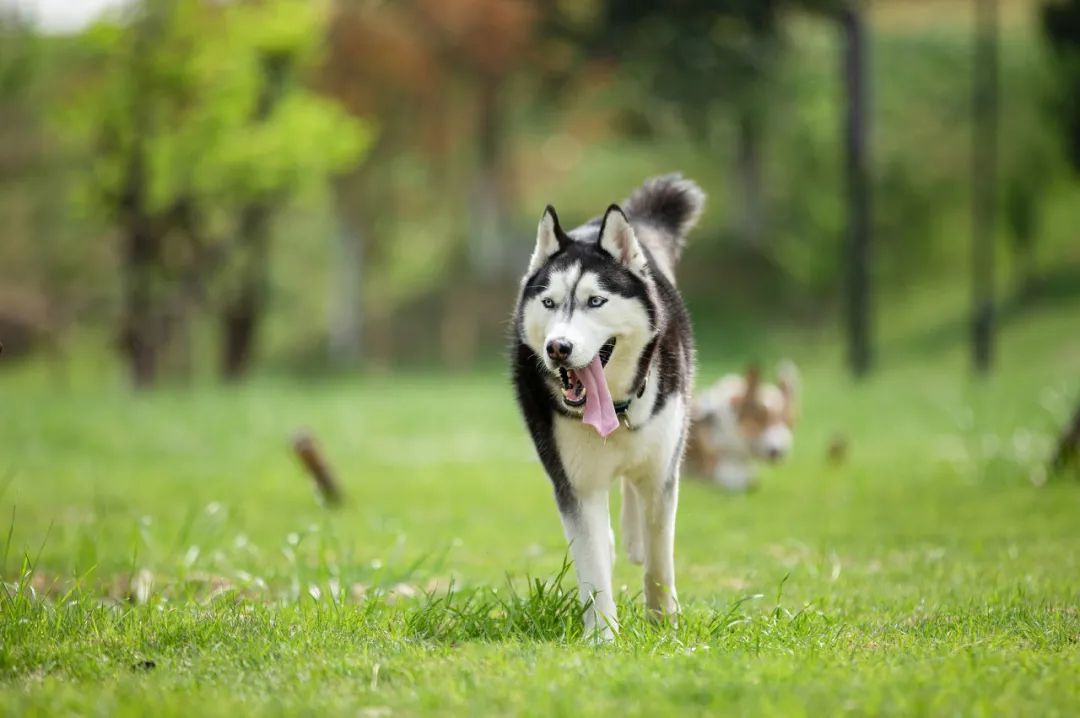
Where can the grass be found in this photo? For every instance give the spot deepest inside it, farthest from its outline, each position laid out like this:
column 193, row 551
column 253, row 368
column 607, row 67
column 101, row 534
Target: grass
column 166, row 554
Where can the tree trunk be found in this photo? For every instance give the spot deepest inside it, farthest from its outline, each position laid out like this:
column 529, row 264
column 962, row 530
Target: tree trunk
column 486, row 261
column 347, row 295
column 748, row 166
column 176, row 364
column 140, row 327
column 856, row 132
column 1067, row 444
column 984, row 183
column 486, row 239
column 242, row 317
column 243, row 314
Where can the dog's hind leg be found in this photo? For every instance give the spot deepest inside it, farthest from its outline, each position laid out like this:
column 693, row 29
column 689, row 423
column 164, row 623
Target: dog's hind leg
column 633, row 539
column 587, row 526
column 660, row 501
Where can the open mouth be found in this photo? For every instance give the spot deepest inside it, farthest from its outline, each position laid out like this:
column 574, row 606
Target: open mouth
column 573, row 389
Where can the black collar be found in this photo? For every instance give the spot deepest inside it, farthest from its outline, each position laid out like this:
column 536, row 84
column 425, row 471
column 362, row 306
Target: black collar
column 621, row 407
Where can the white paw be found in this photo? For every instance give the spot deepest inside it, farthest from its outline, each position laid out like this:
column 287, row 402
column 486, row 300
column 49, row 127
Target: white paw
column 601, row 634
column 601, row 623
column 735, row 478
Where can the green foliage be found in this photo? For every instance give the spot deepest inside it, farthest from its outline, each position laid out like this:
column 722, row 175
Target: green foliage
column 183, row 87
column 920, row 119
column 19, row 55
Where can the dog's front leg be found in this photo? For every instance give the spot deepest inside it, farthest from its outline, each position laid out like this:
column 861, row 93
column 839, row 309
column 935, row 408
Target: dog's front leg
column 660, row 501
column 735, row 474
column 587, row 524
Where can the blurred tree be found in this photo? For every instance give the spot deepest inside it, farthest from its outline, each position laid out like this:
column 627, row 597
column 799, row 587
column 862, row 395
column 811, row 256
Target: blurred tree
column 18, row 68
column 1032, row 162
column 244, row 306
column 859, row 291
column 700, row 57
column 984, row 182
column 455, row 60
column 1023, row 190
column 377, row 65
column 198, row 127
column 1067, row 444
column 24, row 315
column 483, row 42
column 1061, row 27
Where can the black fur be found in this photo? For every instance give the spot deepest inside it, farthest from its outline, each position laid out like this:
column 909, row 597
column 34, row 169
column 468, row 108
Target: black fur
column 537, row 404
column 669, row 204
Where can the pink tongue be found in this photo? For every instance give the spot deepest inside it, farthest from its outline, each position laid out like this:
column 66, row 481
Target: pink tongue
column 599, row 409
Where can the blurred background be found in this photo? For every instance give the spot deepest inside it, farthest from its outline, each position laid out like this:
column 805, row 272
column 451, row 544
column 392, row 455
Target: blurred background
column 197, row 190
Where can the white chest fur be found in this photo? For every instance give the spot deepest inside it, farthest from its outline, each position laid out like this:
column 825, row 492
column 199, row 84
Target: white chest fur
column 593, row 463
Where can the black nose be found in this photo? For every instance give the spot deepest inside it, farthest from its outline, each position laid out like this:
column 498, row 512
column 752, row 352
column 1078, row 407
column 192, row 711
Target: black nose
column 559, row 349
column 772, row 453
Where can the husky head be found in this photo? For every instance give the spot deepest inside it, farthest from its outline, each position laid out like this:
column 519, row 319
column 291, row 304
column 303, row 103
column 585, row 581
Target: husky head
column 588, row 303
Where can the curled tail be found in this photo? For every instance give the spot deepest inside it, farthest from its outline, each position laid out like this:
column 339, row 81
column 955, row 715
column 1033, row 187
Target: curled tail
column 670, row 203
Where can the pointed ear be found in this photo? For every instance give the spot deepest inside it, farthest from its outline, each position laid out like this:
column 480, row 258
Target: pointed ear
column 549, row 239
column 617, row 238
column 753, row 381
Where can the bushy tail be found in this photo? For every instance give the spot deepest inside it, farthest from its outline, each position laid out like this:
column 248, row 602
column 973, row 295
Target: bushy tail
column 670, row 203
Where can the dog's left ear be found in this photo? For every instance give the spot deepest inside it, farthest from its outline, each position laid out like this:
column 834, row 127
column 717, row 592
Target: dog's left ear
column 752, row 378
column 617, row 238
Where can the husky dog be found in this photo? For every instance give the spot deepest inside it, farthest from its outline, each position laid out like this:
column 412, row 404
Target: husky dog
column 603, row 366
column 741, row 420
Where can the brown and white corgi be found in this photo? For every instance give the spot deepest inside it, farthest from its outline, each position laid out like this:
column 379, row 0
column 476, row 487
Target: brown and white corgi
column 741, row 420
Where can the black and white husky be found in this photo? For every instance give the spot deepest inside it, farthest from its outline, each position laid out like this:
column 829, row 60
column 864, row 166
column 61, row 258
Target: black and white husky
column 603, row 366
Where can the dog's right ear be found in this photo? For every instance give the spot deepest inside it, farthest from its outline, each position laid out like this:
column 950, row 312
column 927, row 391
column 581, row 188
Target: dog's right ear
column 550, row 239
column 788, row 376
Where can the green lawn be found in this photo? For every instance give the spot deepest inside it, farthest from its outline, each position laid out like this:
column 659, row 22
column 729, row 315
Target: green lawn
column 932, row 573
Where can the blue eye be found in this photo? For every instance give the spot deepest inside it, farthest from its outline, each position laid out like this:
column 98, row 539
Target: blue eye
column 595, row 302
column 549, row 303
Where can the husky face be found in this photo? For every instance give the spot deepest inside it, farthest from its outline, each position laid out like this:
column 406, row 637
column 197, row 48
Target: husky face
column 585, row 297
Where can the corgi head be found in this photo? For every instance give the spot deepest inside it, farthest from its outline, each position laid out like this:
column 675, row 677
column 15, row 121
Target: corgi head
column 746, row 414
